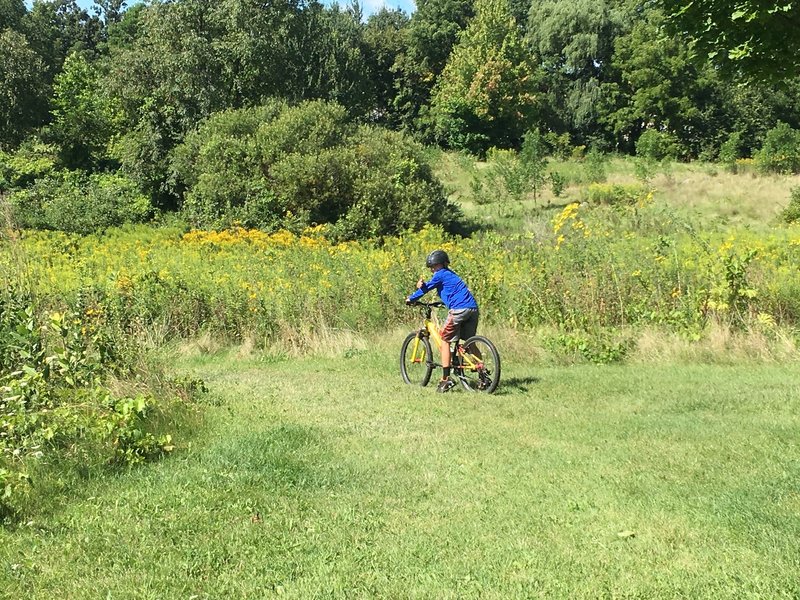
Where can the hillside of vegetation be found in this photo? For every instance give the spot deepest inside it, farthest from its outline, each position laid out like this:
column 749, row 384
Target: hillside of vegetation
column 296, row 114
column 211, row 214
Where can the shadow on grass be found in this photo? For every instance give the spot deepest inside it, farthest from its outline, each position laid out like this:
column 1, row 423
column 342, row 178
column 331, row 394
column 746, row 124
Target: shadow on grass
column 516, row 384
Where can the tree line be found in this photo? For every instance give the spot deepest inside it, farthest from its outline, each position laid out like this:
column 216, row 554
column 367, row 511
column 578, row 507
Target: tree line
column 116, row 90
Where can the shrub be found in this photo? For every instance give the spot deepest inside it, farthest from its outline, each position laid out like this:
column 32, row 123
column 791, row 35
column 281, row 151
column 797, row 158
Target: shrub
column 729, row 151
column 57, row 372
column 33, row 160
column 780, row 152
column 657, row 145
column 791, row 214
column 594, row 166
column 559, row 145
column 557, row 183
column 278, row 167
column 616, row 193
column 76, row 202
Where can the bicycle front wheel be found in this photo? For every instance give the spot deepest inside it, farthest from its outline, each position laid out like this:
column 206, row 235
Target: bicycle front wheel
column 416, row 360
column 478, row 365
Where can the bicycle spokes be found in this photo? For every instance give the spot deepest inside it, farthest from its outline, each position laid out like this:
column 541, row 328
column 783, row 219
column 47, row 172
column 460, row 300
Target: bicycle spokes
column 478, row 364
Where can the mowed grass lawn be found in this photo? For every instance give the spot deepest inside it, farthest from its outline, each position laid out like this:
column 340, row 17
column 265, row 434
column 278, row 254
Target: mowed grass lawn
column 329, row 477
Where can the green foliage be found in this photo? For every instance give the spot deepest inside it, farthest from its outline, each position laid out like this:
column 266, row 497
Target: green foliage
column 487, row 94
column 595, row 165
column 791, row 214
column 558, row 183
column 76, row 202
column 574, row 40
column 55, row 400
column 599, row 348
column 276, row 166
column 559, row 145
column 656, row 145
column 23, row 83
column 615, row 193
column 85, row 118
column 757, row 37
column 502, row 178
column 780, row 152
column 11, row 14
column 534, row 161
column 657, row 86
column 195, row 58
column 509, row 175
column 384, row 37
column 432, row 32
column 55, row 29
column 730, row 151
column 33, row 160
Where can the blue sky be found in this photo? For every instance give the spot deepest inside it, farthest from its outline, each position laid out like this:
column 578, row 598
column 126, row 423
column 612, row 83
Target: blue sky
column 370, row 6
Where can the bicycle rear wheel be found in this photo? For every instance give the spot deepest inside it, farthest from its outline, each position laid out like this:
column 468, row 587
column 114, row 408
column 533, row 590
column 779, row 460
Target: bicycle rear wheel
column 416, row 360
column 478, row 365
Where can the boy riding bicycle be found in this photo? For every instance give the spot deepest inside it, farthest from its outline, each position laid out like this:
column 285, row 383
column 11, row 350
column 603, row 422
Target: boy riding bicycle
column 462, row 318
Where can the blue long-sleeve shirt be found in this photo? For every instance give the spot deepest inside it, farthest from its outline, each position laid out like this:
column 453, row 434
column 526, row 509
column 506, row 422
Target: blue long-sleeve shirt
column 451, row 289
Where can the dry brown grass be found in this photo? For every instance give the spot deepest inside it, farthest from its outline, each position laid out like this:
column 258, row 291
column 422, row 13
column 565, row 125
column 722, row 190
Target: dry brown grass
column 718, row 344
column 738, row 198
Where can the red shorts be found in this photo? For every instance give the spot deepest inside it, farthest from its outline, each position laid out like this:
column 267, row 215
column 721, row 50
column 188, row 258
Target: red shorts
column 461, row 323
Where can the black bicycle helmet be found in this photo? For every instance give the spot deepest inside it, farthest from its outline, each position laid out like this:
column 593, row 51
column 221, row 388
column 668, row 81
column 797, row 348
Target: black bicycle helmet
column 437, row 257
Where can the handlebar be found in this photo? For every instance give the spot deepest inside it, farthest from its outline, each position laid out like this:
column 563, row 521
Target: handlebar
column 427, row 304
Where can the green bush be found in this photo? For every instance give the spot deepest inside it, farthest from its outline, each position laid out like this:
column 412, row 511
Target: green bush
column 730, row 150
column 657, row 145
column 76, row 202
column 57, row 372
column 33, row 160
column 616, row 193
column 560, row 146
column 780, row 152
column 791, row 214
column 595, row 166
column 557, row 183
column 278, row 167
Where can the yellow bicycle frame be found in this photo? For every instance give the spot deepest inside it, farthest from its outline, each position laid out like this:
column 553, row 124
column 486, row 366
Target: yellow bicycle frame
column 469, row 361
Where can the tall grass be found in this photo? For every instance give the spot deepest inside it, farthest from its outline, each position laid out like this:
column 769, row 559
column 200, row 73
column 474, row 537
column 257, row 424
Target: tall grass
column 595, row 275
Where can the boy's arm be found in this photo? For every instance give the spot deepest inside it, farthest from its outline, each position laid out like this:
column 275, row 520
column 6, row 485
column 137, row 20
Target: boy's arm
column 423, row 288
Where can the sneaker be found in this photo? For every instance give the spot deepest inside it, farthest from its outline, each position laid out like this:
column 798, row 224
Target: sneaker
column 484, row 381
column 445, row 385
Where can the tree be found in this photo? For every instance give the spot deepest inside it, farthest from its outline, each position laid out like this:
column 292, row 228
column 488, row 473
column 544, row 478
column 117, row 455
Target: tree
column 335, row 60
column 85, row 119
column 487, row 95
column 57, row 28
column 11, row 14
column 384, row 37
column 758, row 38
column 277, row 166
column 655, row 85
column 431, row 34
column 574, row 40
column 193, row 58
column 23, row 89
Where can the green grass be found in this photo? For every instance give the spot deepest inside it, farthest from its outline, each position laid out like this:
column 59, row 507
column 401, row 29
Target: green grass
column 327, row 477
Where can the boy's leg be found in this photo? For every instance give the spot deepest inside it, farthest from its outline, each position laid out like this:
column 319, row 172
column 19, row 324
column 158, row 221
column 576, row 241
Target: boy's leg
column 445, row 348
column 449, row 333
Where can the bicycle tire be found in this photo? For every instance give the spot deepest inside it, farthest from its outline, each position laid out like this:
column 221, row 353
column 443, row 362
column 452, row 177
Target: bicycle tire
column 486, row 378
column 416, row 373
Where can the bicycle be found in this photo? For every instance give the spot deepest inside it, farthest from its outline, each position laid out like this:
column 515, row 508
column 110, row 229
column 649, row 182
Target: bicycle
column 475, row 362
